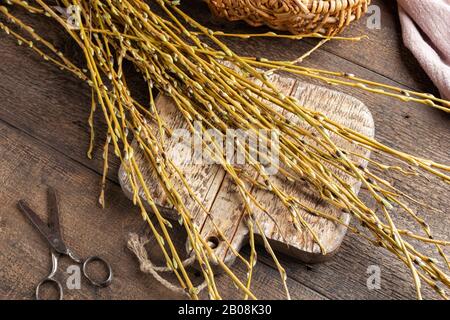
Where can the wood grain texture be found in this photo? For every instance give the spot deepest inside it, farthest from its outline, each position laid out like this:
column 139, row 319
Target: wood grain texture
column 219, row 195
column 48, row 109
column 27, row 168
column 393, row 60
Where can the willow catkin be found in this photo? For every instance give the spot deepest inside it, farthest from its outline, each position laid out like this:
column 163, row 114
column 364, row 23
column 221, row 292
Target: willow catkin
column 213, row 85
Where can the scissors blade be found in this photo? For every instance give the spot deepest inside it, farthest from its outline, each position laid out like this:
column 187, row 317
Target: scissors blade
column 52, row 238
column 53, row 220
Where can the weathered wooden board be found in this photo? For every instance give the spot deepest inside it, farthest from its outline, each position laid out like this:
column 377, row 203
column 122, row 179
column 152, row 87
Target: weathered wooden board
column 219, row 195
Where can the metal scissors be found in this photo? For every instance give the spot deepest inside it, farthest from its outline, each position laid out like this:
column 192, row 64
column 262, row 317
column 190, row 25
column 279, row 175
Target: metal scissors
column 52, row 233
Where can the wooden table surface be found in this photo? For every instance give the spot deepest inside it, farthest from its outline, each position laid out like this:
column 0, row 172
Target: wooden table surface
column 44, row 137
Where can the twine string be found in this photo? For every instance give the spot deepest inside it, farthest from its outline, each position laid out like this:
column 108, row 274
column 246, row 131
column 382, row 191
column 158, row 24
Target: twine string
column 137, row 245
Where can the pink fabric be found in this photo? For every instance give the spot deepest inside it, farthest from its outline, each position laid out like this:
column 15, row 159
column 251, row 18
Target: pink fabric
column 426, row 32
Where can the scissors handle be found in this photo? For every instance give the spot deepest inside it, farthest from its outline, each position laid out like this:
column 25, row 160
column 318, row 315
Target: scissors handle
column 55, row 283
column 104, row 283
column 50, row 278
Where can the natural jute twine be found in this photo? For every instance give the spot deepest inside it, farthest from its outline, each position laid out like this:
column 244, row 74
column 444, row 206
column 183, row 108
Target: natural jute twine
column 137, row 245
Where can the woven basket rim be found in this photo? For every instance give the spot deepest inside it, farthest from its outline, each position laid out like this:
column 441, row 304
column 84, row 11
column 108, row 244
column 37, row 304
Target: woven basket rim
column 340, row 4
column 296, row 16
column 321, row 6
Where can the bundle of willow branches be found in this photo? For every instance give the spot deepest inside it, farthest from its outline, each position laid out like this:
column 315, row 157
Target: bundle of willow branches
column 185, row 61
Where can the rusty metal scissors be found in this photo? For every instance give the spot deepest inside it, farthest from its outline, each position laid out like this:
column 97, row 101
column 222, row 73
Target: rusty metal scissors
column 52, row 232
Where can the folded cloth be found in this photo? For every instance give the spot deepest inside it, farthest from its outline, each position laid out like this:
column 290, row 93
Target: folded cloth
column 426, row 32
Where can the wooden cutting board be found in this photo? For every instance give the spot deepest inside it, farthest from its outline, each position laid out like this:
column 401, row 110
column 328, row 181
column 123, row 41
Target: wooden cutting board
column 220, row 196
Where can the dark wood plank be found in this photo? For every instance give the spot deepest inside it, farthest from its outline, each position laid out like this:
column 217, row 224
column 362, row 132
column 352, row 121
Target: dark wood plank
column 63, row 107
column 383, row 52
column 53, row 108
column 27, row 167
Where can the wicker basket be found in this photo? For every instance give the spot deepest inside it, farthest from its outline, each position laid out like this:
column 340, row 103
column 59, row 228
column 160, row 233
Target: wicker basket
column 327, row 17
